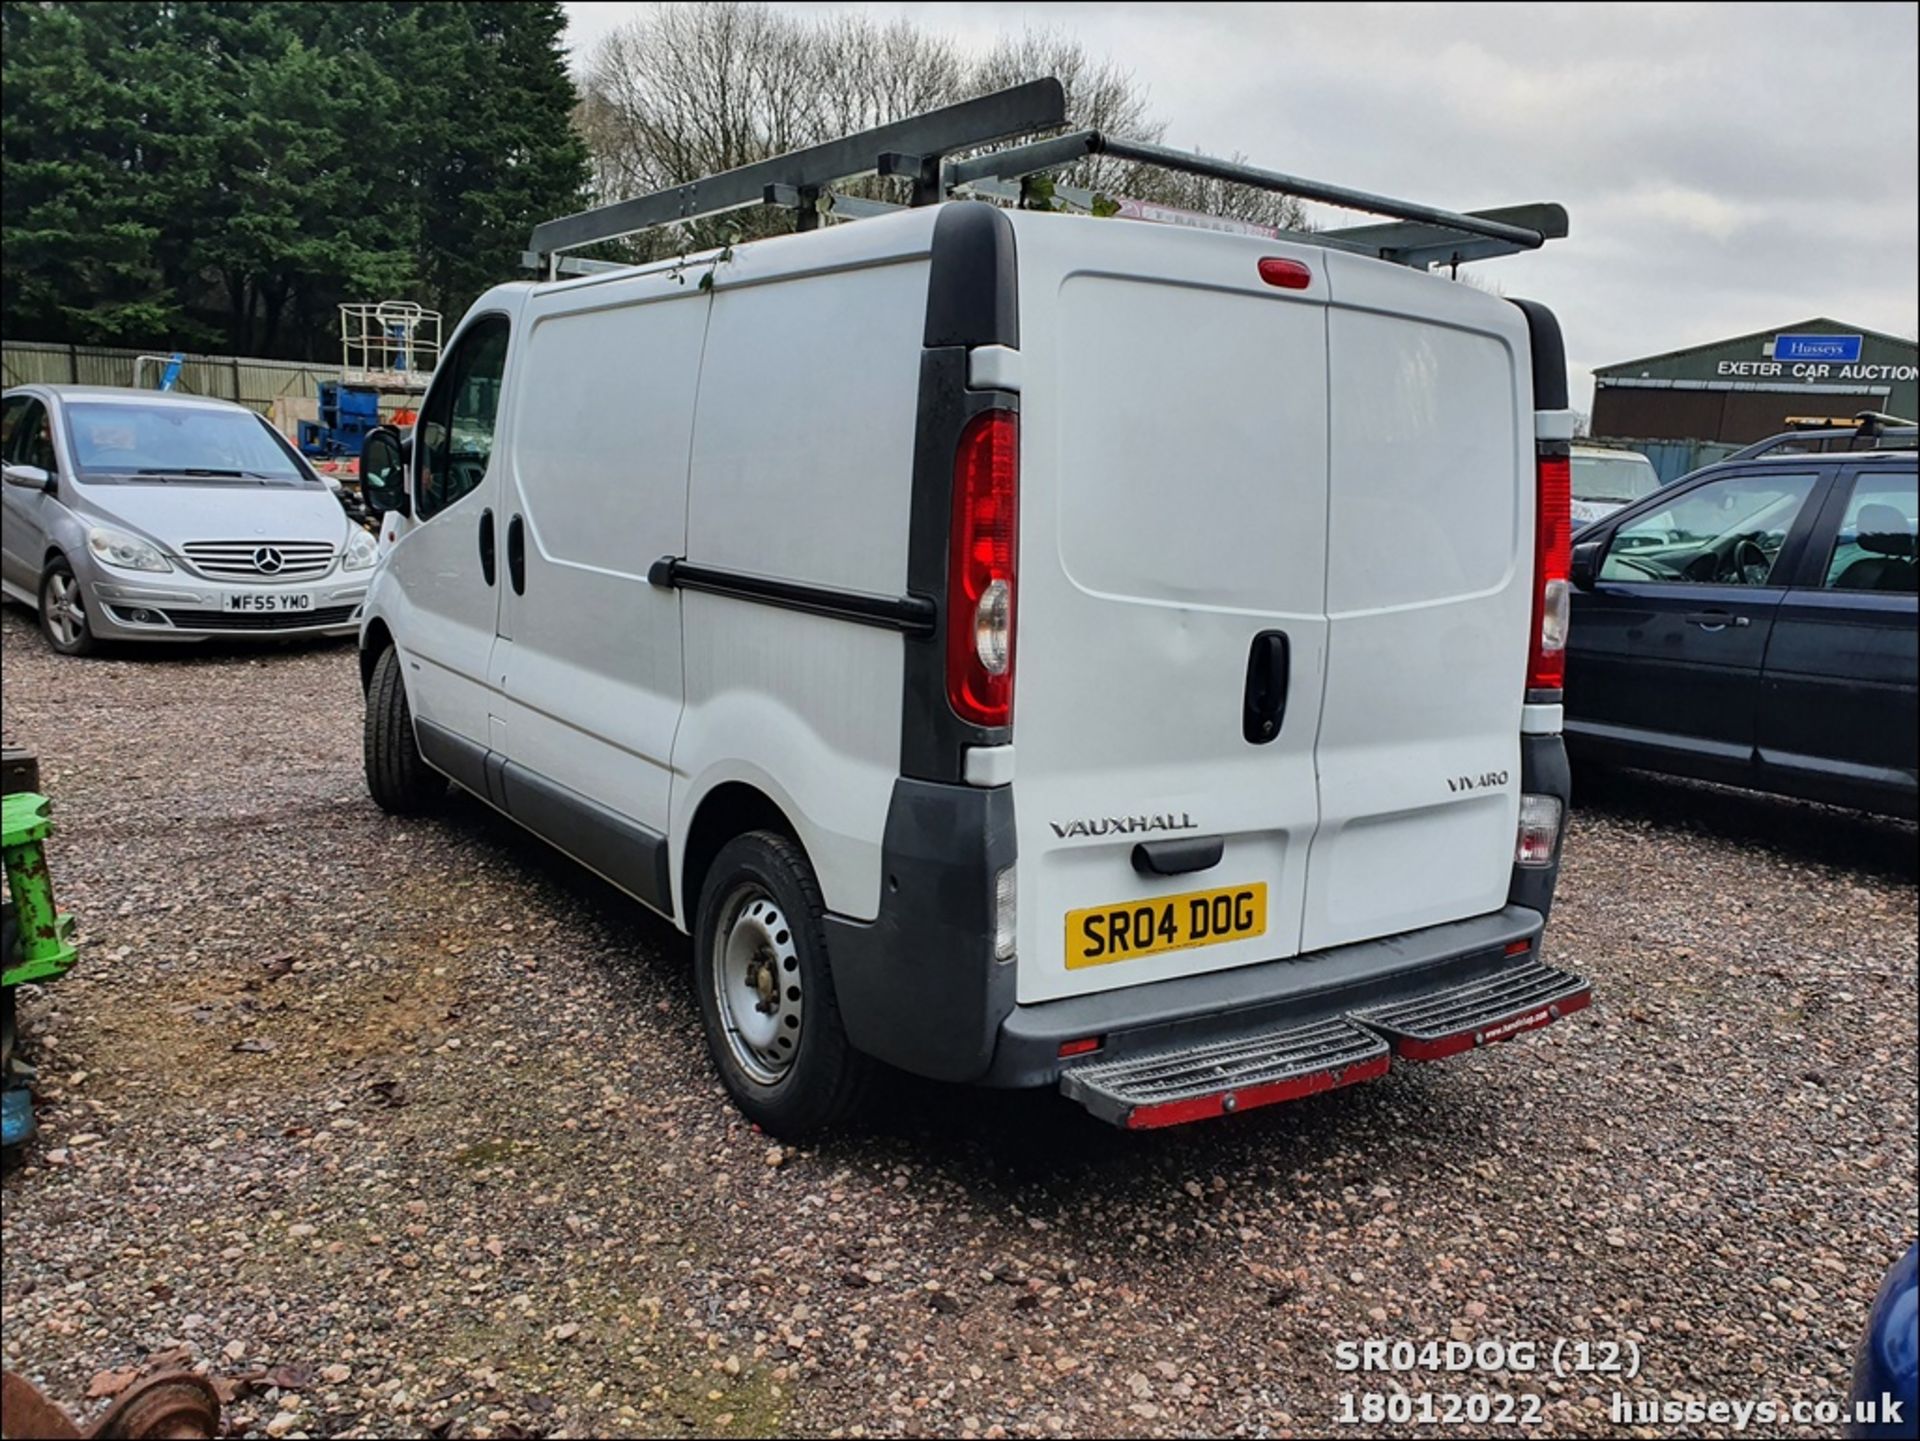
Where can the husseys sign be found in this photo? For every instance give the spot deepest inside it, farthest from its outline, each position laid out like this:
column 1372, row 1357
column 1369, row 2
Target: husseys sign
column 1813, row 358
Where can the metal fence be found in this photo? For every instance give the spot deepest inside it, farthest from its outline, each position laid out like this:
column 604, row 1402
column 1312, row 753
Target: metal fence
column 254, row 383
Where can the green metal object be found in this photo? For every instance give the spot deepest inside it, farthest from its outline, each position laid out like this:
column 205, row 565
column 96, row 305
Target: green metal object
column 45, row 947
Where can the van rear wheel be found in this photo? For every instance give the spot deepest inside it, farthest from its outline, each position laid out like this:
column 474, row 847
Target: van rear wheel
column 766, row 990
column 398, row 777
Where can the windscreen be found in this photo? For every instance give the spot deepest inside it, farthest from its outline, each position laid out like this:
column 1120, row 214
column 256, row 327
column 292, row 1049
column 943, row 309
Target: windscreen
column 163, row 442
column 1613, row 479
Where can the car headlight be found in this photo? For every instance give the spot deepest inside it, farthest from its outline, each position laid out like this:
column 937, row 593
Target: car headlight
column 128, row 552
column 362, row 551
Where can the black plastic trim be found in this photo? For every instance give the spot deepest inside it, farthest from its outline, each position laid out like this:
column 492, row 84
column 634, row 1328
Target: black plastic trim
column 1549, row 356
column 1192, row 1009
column 918, row 986
column 908, row 614
column 630, row 855
column 1543, row 771
column 1178, row 857
column 462, row 761
column 626, row 853
column 972, row 286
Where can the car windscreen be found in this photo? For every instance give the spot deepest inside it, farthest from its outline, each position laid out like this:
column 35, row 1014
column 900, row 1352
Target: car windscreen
column 1613, row 480
column 122, row 440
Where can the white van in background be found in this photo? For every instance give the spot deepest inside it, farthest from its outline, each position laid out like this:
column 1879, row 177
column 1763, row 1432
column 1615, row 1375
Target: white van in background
column 1606, row 479
column 1020, row 649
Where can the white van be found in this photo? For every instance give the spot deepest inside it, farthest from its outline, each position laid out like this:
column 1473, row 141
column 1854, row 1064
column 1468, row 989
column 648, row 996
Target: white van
column 1606, row 479
column 1018, row 648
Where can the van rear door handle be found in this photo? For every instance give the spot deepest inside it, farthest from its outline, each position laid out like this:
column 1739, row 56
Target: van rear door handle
column 517, row 555
column 1178, row 857
column 1717, row 619
column 486, row 545
column 1264, row 708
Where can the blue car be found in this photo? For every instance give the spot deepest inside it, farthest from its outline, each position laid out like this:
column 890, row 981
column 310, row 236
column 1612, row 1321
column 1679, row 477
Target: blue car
column 1888, row 1365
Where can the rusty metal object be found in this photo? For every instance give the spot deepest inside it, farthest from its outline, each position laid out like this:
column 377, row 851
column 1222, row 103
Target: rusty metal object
column 166, row 1406
column 170, row 1406
column 25, row 1411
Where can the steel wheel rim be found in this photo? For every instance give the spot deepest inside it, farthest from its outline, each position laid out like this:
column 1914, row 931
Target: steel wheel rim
column 66, row 616
column 756, row 984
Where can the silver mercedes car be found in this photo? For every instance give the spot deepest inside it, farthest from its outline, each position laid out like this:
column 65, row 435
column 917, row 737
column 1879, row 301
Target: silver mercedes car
column 136, row 515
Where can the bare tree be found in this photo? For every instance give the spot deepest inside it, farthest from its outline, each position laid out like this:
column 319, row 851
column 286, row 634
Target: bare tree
column 690, row 90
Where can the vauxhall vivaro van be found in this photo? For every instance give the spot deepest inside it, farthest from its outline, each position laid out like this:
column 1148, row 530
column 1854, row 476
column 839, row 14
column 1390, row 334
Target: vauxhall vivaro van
column 1018, row 648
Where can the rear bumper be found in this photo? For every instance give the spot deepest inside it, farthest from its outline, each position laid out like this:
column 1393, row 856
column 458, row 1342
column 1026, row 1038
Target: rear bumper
column 1222, row 1005
column 918, row 986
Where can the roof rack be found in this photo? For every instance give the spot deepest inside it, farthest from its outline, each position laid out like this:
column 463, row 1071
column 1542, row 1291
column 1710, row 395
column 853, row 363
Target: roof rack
column 918, row 148
column 1879, row 430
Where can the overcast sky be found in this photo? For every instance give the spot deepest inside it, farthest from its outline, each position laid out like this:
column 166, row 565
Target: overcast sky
column 1726, row 168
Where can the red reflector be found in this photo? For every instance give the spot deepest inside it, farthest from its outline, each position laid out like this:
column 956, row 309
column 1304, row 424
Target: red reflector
column 980, row 569
column 1553, row 560
column 1080, row 1047
column 1287, row 274
column 1199, row 1108
column 1519, row 948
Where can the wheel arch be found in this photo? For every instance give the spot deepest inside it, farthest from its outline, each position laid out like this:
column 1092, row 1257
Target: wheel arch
column 373, row 639
column 731, row 808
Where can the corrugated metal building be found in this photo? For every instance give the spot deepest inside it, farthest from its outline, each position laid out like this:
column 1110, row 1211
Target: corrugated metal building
column 1747, row 388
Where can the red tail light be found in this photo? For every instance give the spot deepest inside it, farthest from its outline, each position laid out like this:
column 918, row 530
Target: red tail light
column 1553, row 559
column 980, row 569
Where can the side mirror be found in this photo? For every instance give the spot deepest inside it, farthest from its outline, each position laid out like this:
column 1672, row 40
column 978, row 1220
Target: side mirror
column 383, row 471
column 1585, row 567
column 28, row 477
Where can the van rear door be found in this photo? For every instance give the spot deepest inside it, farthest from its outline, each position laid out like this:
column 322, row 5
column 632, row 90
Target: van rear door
column 1172, row 575
column 1429, row 598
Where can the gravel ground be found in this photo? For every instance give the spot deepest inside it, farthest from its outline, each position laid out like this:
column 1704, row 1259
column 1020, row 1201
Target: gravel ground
column 410, row 1122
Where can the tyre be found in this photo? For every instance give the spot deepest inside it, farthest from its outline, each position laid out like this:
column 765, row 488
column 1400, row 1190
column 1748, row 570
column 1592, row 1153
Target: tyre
column 766, row 990
column 398, row 778
column 63, row 610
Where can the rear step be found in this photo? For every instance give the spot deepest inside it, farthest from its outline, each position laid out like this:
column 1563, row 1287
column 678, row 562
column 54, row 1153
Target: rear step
column 1444, row 1023
column 1169, row 1087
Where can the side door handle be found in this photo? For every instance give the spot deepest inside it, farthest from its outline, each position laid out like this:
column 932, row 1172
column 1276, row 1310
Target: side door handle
column 517, row 555
column 1264, row 708
column 486, row 545
column 1717, row 619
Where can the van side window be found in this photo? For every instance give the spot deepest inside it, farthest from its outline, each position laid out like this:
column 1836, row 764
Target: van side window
column 455, row 434
column 1726, row 532
column 1875, row 549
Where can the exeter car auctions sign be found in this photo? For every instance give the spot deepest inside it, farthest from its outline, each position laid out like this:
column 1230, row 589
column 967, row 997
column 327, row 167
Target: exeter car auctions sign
column 1811, row 358
column 1841, row 349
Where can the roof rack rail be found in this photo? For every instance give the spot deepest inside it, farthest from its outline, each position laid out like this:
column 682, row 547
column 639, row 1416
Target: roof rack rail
column 1880, row 430
column 918, row 146
column 913, row 147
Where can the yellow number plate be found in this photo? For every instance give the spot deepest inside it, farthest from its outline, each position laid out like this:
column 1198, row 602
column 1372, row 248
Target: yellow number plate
column 1128, row 930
